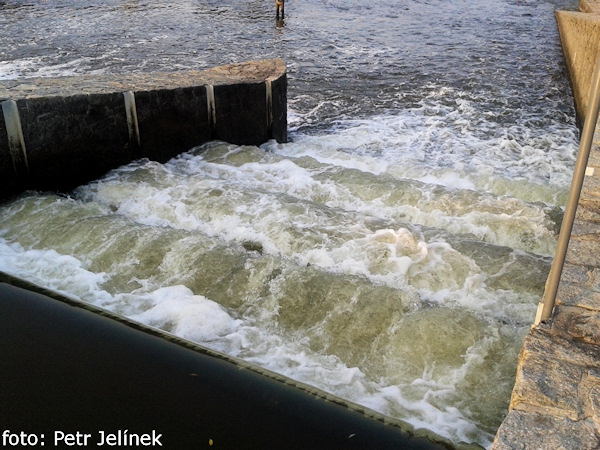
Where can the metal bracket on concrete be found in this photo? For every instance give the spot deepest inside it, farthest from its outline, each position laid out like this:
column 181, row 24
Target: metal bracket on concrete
column 132, row 120
column 212, row 110
column 16, row 142
column 269, row 90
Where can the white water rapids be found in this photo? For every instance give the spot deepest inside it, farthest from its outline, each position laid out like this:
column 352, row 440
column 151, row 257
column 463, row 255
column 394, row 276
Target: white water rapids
column 393, row 253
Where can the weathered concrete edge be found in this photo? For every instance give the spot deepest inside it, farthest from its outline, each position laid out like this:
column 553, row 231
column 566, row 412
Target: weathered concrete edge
column 580, row 38
column 58, row 133
column 247, row 72
column 591, row 6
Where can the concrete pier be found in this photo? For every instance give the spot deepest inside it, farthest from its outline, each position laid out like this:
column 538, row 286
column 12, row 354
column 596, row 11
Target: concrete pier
column 58, row 133
column 555, row 402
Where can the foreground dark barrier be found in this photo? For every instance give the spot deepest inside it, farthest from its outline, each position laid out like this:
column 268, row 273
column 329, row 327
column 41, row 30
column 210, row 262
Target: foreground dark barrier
column 58, row 133
column 69, row 370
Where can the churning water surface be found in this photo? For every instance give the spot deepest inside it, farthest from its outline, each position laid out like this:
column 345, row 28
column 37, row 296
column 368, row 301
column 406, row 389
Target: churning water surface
column 393, row 253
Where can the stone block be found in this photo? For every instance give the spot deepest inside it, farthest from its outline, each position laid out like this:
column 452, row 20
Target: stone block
column 552, row 365
column 594, row 156
column 589, row 211
column 279, row 109
column 580, row 324
column 547, row 385
column 572, row 294
column 583, row 250
column 530, row 430
column 590, row 393
column 582, row 227
column 575, row 274
column 556, row 343
column 590, row 190
column 595, row 279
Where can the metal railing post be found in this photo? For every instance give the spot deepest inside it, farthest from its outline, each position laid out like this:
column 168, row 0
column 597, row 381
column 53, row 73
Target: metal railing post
column 546, row 306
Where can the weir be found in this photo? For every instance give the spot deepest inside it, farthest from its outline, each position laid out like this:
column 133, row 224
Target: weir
column 532, row 422
column 58, row 133
column 556, row 398
column 89, row 373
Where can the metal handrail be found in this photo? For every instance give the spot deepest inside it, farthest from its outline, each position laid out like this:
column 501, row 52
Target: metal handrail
column 546, row 306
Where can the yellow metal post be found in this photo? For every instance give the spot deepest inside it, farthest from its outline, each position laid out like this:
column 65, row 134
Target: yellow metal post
column 546, row 307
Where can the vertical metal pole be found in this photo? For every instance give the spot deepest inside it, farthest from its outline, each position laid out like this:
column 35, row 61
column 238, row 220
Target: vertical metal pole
column 269, row 90
column 132, row 120
column 212, row 109
column 16, row 142
column 585, row 144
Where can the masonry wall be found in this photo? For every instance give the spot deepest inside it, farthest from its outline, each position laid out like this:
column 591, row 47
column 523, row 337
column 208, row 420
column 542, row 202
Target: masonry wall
column 71, row 130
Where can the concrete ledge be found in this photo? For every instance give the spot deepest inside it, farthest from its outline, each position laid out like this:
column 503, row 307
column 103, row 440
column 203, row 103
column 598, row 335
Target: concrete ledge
column 58, row 133
column 580, row 38
column 556, row 400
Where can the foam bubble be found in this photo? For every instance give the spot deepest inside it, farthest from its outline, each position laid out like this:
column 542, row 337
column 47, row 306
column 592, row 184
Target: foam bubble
column 177, row 310
column 62, row 273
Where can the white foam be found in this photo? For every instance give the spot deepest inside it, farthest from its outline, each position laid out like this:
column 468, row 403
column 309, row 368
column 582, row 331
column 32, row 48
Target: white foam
column 34, row 67
column 62, row 273
column 452, row 147
column 448, row 422
column 251, row 202
column 448, row 179
column 177, row 310
column 254, row 337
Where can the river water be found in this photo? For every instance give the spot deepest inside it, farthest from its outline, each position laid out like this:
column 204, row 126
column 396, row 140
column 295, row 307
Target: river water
column 393, row 253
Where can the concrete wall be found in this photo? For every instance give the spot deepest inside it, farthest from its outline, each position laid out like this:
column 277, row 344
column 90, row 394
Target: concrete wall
column 58, row 133
column 580, row 38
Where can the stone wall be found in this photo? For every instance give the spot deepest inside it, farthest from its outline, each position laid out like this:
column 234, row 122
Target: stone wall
column 58, row 133
column 580, row 38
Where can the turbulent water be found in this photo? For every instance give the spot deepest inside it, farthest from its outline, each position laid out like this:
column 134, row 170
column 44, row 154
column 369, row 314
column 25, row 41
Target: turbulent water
column 393, row 253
